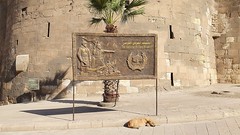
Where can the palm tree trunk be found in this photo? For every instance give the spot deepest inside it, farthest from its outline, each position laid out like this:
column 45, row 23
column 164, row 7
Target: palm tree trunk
column 110, row 91
column 110, row 28
column 111, row 86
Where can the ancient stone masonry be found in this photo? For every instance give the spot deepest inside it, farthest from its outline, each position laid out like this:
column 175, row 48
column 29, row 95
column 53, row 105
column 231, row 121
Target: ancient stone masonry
column 42, row 30
column 3, row 49
column 227, row 44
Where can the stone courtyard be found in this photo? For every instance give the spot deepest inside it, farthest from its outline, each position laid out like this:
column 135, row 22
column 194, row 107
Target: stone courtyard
column 174, row 107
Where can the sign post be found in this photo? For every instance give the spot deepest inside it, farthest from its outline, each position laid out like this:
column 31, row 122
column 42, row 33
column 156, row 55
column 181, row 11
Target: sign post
column 157, row 97
column 74, row 90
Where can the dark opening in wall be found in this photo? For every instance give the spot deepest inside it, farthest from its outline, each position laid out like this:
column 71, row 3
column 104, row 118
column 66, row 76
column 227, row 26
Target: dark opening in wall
column 172, row 82
column 24, row 12
column 171, row 32
column 48, row 33
column 15, row 47
column 215, row 36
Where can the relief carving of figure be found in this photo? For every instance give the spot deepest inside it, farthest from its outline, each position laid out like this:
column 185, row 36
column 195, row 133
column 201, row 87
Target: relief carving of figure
column 84, row 56
column 98, row 58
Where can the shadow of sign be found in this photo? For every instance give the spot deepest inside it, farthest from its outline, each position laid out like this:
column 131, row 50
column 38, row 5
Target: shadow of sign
column 77, row 102
column 60, row 111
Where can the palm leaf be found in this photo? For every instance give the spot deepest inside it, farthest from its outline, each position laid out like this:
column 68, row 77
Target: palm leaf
column 129, row 15
column 136, row 3
column 118, row 5
column 96, row 20
column 98, row 5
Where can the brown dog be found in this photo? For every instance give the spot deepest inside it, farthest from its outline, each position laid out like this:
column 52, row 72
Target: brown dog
column 138, row 122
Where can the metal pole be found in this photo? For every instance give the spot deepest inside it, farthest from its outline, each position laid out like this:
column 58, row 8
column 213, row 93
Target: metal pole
column 73, row 71
column 156, row 97
column 73, row 100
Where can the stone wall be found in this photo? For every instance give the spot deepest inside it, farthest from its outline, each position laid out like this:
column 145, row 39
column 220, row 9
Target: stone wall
column 3, row 48
column 227, row 43
column 186, row 46
column 43, row 30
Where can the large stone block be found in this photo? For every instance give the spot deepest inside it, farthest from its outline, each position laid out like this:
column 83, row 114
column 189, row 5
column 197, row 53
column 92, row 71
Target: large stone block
column 22, row 62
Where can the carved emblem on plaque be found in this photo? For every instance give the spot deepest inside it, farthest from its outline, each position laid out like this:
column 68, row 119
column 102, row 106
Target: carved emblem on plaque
column 137, row 61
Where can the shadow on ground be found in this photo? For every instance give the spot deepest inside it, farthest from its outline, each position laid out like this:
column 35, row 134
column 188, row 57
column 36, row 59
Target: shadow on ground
column 59, row 111
column 76, row 101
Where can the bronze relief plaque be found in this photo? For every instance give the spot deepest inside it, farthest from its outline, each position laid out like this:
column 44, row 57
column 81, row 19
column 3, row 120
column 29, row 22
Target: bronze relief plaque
column 114, row 56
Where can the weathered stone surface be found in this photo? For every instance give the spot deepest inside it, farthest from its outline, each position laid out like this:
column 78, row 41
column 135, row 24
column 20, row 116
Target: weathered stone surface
column 227, row 45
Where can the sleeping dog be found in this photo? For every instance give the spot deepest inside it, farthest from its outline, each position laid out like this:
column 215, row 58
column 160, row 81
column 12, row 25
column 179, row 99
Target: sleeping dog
column 138, row 122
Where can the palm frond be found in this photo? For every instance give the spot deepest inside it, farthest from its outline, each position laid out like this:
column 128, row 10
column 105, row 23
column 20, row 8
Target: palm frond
column 136, row 3
column 129, row 15
column 96, row 20
column 98, row 5
column 117, row 5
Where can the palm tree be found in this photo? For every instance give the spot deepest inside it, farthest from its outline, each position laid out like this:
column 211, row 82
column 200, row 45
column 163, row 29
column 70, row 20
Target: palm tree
column 109, row 12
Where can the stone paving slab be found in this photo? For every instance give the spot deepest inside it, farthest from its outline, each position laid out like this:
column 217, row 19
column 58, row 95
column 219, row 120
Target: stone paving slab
column 174, row 107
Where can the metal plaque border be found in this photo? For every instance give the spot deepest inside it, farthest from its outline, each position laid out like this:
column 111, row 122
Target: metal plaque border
column 74, row 50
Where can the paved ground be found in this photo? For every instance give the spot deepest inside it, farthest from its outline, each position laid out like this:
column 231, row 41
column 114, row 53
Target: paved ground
column 227, row 126
column 180, row 106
